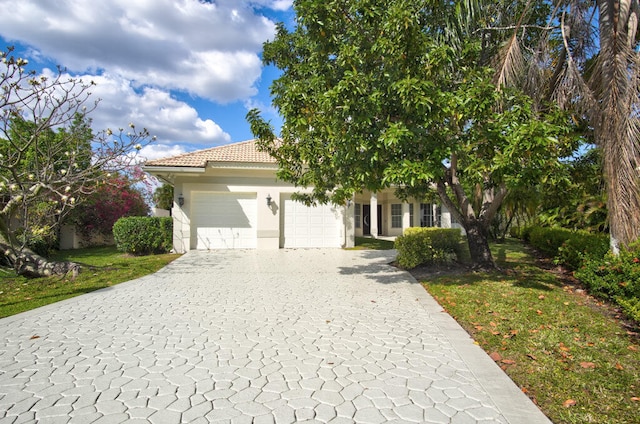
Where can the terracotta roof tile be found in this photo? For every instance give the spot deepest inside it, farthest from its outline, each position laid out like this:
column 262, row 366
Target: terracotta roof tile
column 245, row 151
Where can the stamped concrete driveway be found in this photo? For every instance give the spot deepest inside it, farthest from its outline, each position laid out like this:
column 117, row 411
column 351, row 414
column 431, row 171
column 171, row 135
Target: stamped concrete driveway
column 253, row 337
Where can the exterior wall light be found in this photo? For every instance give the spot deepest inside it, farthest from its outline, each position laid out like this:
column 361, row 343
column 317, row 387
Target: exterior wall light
column 181, row 200
column 269, row 199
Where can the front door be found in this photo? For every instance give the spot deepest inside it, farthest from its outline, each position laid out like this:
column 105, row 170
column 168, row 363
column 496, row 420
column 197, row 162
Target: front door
column 366, row 219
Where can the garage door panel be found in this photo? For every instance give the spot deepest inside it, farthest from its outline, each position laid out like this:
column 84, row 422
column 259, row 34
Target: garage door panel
column 224, row 220
column 305, row 226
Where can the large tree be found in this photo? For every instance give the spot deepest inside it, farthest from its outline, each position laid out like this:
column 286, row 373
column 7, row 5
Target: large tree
column 49, row 157
column 587, row 60
column 377, row 94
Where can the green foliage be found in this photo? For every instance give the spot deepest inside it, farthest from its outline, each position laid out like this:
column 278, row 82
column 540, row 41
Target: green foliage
column 575, row 197
column 523, row 233
column 568, row 247
column 143, row 235
column 372, row 97
column 615, row 277
column 163, row 196
column 427, row 245
column 548, row 240
column 580, row 246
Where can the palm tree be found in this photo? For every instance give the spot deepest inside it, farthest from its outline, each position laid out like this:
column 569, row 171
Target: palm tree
column 587, row 60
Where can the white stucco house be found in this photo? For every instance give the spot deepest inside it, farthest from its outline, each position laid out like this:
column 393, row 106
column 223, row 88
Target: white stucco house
column 228, row 197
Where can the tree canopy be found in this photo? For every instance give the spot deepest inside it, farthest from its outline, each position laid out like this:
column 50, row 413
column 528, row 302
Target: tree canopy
column 373, row 96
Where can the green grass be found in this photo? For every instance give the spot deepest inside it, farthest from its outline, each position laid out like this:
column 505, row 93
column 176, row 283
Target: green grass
column 102, row 267
column 363, row 243
column 559, row 345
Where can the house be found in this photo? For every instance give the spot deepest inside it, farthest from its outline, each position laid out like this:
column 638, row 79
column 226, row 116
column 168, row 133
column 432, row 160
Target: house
column 228, row 197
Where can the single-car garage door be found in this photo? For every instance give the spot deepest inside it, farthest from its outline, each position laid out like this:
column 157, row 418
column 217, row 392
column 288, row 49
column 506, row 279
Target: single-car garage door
column 315, row 226
column 223, row 220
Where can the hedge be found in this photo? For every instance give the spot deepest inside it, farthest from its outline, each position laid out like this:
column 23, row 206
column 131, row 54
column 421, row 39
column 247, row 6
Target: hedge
column 615, row 277
column 567, row 247
column 612, row 277
column 427, row 245
column 143, row 235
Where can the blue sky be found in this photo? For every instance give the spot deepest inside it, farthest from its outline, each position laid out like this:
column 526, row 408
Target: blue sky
column 187, row 70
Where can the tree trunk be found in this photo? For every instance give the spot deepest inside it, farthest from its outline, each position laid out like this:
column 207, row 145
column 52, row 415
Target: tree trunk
column 479, row 247
column 27, row 263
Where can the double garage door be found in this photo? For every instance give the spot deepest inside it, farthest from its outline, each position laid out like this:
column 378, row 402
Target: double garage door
column 230, row 221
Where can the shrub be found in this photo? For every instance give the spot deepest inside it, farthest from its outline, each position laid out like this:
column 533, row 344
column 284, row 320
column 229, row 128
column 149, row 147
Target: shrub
column 582, row 245
column 427, row 245
column 522, row 233
column 548, row 240
column 615, row 277
column 567, row 247
column 143, row 235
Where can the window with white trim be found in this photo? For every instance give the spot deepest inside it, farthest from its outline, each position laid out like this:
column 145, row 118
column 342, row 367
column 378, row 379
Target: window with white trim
column 396, row 215
column 357, row 215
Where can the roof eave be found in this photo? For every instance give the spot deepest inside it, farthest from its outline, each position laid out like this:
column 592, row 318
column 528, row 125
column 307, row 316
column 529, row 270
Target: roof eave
column 173, row 169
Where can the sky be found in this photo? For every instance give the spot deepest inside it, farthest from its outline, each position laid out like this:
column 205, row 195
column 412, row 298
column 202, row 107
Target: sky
column 187, row 70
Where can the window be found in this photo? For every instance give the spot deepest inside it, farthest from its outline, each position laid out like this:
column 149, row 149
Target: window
column 426, row 215
column 396, row 215
column 410, row 214
column 357, row 215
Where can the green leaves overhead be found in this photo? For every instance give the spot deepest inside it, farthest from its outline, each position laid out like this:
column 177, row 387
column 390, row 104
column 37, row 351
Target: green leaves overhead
column 376, row 94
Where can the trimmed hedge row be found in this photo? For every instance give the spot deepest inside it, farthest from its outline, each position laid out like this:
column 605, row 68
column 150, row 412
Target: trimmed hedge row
column 566, row 247
column 427, row 245
column 608, row 276
column 615, row 277
column 143, row 235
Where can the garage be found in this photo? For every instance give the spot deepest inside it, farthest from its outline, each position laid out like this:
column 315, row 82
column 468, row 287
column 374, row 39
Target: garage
column 315, row 226
column 223, row 220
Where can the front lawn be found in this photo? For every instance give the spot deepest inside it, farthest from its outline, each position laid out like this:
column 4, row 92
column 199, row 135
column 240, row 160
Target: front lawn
column 572, row 354
column 101, row 267
column 363, row 243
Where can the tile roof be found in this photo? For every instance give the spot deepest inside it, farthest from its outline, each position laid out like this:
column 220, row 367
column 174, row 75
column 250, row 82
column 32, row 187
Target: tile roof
column 245, row 151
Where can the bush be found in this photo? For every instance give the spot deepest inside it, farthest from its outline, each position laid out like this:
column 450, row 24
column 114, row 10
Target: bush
column 429, row 245
column 548, row 240
column 615, row 277
column 567, row 247
column 580, row 246
column 143, row 235
column 522, row 233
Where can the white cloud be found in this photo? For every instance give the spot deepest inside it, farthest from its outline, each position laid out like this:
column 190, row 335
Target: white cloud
column 207, row 49
column 166, row 117
column 152, row 152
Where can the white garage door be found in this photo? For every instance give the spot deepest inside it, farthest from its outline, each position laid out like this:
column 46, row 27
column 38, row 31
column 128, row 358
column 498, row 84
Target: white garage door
column 305, row 226
column 224, row 220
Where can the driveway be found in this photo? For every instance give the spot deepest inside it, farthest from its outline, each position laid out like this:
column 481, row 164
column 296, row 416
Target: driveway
column 253, row 336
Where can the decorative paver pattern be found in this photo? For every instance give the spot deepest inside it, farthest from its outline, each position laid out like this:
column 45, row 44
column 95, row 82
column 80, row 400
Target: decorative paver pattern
column 326, row 336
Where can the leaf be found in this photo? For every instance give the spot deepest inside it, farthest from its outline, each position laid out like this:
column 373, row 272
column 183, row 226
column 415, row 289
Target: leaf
column 587, row 365
column 635, row 399
column 531, row 356
column 619, row 366
column 569, row 402
column 495, row 356
column 508, row 361
column 34, row 337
